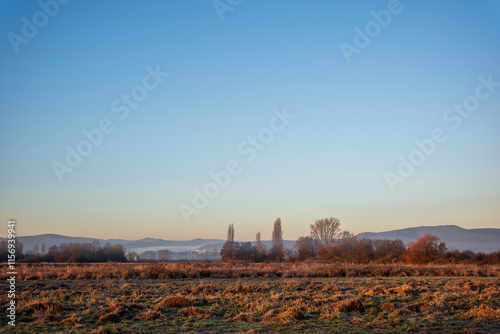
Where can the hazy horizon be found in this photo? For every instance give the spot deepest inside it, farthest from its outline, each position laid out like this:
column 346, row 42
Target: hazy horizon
column 223, row 237
column 172, row 120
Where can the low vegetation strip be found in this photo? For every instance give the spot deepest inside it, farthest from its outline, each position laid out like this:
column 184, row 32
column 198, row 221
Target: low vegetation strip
column 195, row 270
column 261, row 305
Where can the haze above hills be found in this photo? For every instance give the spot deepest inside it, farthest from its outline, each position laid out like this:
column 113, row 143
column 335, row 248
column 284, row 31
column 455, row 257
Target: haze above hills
column 455, row 237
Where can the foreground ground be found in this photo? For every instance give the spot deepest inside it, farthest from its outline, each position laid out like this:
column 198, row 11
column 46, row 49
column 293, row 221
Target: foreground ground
column 259, row 305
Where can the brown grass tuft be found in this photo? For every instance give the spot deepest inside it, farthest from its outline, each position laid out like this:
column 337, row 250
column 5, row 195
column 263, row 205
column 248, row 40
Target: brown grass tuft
column 347, row 305
column 413, row 308
column 100, row 271
column 73, row 320
column 283, row 315
column 330, row 287
column 119, row 309
column 47, row 306
column 195, row 312
column 176, row 301
column 243, row 317
column 387, row 307
column 149, row 315
column 483, row 312
column 379, row 289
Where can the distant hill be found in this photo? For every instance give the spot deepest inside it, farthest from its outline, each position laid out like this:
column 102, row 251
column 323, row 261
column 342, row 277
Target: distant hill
column 455, row 237
column 49, row 240
column 135, row 245
column 141, row 245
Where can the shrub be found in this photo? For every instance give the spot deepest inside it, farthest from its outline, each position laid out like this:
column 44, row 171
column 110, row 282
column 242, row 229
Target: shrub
column 425, row 250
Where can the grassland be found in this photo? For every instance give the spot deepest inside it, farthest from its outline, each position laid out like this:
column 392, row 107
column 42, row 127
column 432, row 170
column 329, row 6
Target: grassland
column 264, row 298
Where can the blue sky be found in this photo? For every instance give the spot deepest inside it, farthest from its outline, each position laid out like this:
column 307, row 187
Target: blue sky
column 352, row 120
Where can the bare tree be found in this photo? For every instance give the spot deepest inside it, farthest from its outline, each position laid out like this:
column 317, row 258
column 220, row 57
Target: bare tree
column 132, row 256
column 257, row 239
column 277, row 249
column 228, row 251
column 96, row 245
column 306, row 247
column 325, row 230
column 163, row 255
column 44, row 248
column 345, row 235
column 35, row 248
column 277, row 234
column 230, row 232
column 260, row 247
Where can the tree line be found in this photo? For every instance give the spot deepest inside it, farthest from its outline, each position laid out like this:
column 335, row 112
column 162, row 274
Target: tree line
column 72, row 252
column 327, row 242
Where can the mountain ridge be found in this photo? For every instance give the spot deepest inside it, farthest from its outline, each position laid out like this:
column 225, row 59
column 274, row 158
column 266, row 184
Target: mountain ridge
column 455, row 237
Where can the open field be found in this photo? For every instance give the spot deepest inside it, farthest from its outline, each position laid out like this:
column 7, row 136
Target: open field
column 284, row 301
column 193, row 270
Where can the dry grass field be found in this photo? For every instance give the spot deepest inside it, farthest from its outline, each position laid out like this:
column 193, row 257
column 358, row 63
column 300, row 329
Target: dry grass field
column 256, row 298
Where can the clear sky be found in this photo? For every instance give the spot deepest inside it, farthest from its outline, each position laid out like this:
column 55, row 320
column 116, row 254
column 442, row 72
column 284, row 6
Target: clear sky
column 361, row 92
